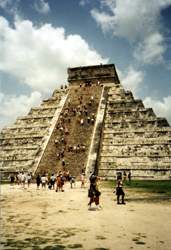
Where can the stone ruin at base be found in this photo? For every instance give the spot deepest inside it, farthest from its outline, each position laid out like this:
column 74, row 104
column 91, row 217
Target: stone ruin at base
column 93, row 124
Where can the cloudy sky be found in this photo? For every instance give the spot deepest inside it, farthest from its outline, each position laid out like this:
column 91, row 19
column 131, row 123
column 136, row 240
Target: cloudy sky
column 40, row 39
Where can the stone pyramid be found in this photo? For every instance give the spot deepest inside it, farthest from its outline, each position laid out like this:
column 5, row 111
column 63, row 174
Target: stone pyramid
column 93, row 124
column 133, row 138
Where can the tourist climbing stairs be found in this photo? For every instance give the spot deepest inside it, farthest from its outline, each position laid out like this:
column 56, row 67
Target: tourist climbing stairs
column 68, row 147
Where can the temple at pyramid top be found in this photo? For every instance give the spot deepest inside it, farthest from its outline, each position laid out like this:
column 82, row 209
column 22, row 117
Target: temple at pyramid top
column 103, row 73
column 93, row 125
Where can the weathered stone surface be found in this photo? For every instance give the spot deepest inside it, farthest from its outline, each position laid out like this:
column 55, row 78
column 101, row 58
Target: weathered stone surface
column 22, row 143
column 134, row 139
column 103, row 73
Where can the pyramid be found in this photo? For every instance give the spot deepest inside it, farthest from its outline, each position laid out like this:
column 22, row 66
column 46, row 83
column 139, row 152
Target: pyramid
column 91, row 125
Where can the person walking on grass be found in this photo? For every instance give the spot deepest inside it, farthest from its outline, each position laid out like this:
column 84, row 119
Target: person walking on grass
column 129, row 176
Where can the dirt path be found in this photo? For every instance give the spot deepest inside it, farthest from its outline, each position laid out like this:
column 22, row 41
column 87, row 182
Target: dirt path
column 37, row 219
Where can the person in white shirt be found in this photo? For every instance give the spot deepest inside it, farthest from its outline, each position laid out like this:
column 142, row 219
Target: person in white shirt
column 23, row 179
column 44, row 181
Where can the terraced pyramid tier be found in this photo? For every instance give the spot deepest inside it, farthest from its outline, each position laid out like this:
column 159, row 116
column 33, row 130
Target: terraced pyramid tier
column 21, row 144
column 133, row 139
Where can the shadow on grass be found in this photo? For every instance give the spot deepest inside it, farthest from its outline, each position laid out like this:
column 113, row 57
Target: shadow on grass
column 149, row 199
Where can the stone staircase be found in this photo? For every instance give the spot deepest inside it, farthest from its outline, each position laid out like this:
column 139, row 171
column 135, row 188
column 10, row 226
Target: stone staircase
column 133, row 138
column 69, row 144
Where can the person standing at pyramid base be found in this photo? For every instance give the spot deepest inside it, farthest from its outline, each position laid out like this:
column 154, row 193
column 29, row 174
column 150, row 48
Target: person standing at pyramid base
column 120, row 192
column 93, row 192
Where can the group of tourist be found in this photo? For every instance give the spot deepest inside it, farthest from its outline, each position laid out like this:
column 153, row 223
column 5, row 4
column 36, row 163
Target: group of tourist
column 56, row 183
column 21, row 178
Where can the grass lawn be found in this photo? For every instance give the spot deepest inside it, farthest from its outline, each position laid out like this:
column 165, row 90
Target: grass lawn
column 151, row 186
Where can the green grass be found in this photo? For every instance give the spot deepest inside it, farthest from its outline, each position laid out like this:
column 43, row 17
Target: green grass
column 152, row 186
column 2, row 182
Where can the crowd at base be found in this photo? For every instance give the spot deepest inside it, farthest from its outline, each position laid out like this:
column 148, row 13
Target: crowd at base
column 57, row 182
column 51, row 181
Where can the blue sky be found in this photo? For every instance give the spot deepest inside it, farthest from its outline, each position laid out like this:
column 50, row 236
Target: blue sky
column 39, row 39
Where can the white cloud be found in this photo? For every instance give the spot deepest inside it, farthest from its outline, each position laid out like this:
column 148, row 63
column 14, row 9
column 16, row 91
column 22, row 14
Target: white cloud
column 105, row 20
column 130, row 19
column 39, row 56
column 161, row 108
column 41, row 6
column 137, row 21
column 131, row 79
column 151, row 50
column 12, row 106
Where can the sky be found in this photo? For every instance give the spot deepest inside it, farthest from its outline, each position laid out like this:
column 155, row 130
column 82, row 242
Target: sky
column 40, row 39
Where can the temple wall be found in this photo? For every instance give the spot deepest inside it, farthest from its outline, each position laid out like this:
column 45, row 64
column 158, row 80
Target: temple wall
column 93, row 74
